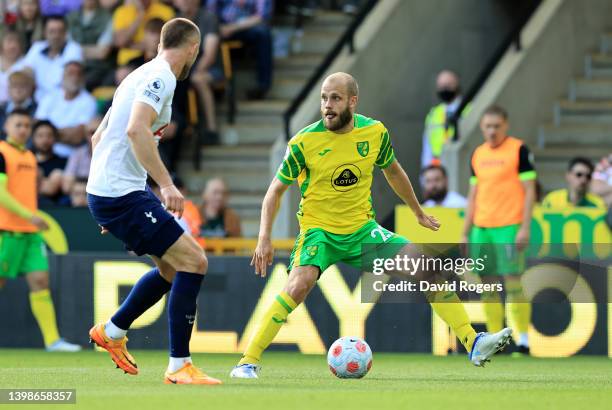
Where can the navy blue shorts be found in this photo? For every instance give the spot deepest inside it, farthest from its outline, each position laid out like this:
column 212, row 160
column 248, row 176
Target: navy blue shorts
column 138, row 219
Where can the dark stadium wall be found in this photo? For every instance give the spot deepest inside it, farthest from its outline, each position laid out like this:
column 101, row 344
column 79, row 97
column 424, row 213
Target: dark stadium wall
column 88, row 287
column 397, row 71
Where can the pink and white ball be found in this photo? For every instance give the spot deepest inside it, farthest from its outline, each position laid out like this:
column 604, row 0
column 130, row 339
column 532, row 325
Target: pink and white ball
column 349, row 358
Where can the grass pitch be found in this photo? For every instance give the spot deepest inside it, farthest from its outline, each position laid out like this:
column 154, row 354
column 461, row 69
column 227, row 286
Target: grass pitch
column 292, row 381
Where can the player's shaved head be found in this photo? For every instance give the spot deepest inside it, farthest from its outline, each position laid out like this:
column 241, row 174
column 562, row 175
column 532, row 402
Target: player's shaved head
column 181, row 37
column 179, row 32
column 339, row 95
column 345, row 80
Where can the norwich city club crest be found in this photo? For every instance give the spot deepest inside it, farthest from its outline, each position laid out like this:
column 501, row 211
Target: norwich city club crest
column 312, row 250
column 363, row 148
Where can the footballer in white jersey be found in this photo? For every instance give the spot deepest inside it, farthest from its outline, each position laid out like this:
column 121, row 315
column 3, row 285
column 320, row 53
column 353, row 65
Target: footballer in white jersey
column 124, row 152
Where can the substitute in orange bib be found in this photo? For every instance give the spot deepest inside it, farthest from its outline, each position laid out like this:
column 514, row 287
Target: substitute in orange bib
column 498, row 218
column 22, row 250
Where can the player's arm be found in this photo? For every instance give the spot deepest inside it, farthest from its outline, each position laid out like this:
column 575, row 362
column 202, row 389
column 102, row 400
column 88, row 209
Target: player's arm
column 400, row 183
column 264, row 252
column 527, row 176
column 95, row 138
column 8, row 201
column 145, row 149
column 293, row 164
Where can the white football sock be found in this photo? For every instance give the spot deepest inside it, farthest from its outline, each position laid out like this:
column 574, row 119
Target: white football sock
column 177, row 363
column 523, row 340
column 113, row 331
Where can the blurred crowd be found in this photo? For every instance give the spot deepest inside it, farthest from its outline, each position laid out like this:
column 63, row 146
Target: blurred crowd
column 61, row 61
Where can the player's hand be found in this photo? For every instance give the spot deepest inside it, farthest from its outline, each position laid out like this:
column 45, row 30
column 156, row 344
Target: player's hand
column 103, row 230
column 522, row 239
column 428, row 221
column 262, row 257
column 39, row 223
column 173, row 200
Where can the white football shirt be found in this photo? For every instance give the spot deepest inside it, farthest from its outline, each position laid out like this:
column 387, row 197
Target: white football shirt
column 115, row 171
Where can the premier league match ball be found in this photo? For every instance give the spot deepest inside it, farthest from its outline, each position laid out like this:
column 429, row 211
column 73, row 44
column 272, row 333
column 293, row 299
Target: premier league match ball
column 349, row 358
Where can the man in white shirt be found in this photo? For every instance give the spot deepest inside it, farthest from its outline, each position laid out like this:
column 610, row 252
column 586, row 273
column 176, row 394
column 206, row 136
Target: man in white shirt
column 435, row 189
column 124, row 152
column 69, row 108
column 47, row 58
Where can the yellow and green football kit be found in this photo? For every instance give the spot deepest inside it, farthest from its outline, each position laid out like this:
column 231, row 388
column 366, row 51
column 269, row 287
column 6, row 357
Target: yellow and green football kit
column 334, row 172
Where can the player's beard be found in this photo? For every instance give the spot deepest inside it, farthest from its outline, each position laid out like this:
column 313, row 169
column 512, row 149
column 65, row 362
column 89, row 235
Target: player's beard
column 340, row 121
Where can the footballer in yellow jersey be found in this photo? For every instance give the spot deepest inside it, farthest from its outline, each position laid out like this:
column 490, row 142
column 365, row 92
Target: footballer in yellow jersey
column 333, row 161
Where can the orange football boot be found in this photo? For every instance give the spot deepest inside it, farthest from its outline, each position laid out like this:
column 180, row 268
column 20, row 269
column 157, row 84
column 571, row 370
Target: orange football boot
column 189, row 374
column 116, row 348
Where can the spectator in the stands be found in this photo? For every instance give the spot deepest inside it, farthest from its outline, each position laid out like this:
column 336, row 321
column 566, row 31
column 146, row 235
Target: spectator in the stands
column 92, row 28
column 434, row 180
column 79, row 161
column 59, row 7
column 207, row 70
column 578, row 176
column 602, row 179
column 191, row 213
column 217, row 219
column 11, row 60
column 51, row 166
column 29, row 23
column 438, row 128
column 69, row 108
column 47, row 58
column 150, row 41
column 129, row 22
column 247, row 21
column 78, row 194
column 21, row 90
column 110, row 5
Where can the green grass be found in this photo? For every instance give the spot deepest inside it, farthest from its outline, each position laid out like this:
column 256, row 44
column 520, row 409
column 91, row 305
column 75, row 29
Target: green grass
column 293, row 381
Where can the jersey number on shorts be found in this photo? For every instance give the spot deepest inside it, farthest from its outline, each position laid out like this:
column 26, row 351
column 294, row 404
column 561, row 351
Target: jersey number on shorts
column 385, row 236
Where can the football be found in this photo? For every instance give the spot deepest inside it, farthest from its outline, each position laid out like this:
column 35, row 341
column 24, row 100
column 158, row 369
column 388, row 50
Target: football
column 349, row 358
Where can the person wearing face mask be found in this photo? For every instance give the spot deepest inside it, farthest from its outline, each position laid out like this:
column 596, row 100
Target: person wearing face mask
column 438, row 129
column 69, row 108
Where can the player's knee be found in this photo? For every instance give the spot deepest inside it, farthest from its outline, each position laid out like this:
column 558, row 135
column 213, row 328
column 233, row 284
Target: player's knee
column 299, row 289
column 38, row 282
column 199, row 262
